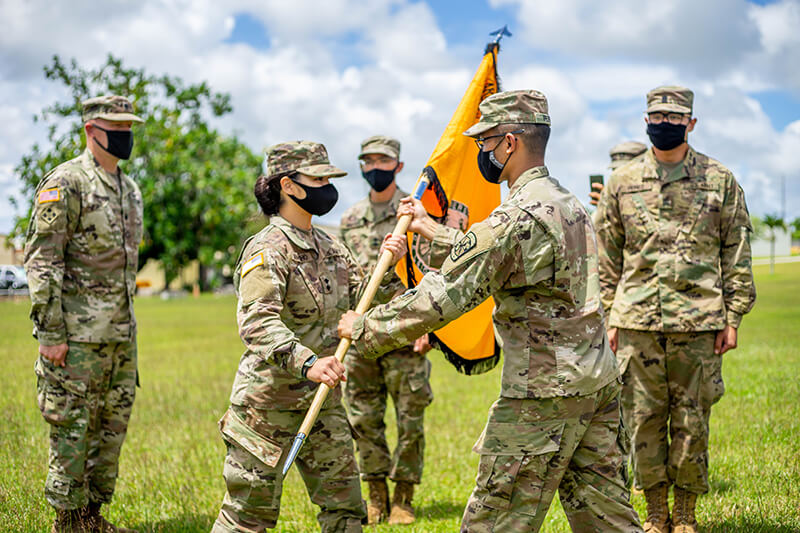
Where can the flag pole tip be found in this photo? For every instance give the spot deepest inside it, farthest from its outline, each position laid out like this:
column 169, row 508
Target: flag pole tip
column 298, row 442
column 500, row 33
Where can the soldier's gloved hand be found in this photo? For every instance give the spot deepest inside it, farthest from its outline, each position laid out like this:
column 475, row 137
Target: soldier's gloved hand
column 396, row 245
column 726, row 340
column 327, row 370
column 422, row 223
column 595, row 194
column 57, row 354
column 346, row 324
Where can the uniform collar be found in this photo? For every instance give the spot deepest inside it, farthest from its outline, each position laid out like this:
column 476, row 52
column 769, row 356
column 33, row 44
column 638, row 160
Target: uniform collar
column 91, row 165
column 528, row 176
column 375, row 212
column 654, row 171
column 300, row 238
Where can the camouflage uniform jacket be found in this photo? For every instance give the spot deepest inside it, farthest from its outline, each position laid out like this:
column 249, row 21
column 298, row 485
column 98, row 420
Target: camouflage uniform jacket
column 293, row 286
column 675, row 246
column 536, row 255
column 362, row 230
column 82, row 253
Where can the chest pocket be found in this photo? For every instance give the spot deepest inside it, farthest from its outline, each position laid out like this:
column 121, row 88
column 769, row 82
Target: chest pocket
column 304, row 291
column 635, row 203
column 100, row 228
column 699, row 238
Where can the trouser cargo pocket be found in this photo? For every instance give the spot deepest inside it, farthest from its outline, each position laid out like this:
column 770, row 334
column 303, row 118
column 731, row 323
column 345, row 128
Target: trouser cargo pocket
column 61, row 400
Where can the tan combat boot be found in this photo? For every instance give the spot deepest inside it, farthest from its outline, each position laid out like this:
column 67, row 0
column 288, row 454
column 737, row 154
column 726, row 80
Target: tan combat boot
column 97, row 522
column 378, row 508
column 70, row 521
column 657, row 520
column 683, row 520
column 402, row 512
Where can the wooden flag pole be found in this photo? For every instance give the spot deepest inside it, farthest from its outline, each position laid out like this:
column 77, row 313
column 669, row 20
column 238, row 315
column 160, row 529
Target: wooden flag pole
column 384, row 263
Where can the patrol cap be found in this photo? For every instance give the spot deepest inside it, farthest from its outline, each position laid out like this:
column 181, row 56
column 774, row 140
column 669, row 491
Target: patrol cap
column 511, row 107
column 300, row 156
column 624, row 152
column 670, row 99
column 108, row 107
column 380, row 144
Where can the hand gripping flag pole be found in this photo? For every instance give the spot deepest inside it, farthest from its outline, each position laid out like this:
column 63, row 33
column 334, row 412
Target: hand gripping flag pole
column 384, row 263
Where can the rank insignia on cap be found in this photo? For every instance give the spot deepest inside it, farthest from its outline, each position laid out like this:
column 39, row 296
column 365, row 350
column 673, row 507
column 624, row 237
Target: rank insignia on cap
column 253, row 262
column 49, row 195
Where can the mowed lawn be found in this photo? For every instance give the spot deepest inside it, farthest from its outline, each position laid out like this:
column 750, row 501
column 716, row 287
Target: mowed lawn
column 170, row 474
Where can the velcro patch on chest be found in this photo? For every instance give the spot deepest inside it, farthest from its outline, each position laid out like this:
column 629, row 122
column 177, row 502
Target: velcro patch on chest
column 49, row 195
column 255, row 261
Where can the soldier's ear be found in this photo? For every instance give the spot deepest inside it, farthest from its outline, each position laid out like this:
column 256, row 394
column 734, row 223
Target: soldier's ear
column 399, row 167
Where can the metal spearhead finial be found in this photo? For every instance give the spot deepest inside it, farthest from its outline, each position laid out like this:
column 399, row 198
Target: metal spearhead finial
column 500, row 33
column 299, row 439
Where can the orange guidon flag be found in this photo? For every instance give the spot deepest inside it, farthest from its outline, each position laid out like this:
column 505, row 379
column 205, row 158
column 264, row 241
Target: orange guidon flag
column 458, row 196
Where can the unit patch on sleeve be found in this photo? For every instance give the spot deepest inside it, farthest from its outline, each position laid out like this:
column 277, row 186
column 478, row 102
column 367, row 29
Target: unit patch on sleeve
column 49, row 195
column 253, row 262
column 467, row 243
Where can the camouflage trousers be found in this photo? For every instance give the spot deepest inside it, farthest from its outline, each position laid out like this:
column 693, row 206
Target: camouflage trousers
column 88, row 404
column 258, row 441
column 671, row 380
column 403, row 374
column 531, row 448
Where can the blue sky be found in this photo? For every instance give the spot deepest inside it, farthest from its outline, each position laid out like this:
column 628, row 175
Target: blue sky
column 342, row 70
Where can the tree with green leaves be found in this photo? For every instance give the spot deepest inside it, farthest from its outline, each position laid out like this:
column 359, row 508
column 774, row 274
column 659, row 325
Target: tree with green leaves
column 796, row 227
column 773, row 222
column 196, row 183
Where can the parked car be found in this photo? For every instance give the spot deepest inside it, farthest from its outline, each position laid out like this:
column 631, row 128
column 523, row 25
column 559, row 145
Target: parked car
column 13, row 277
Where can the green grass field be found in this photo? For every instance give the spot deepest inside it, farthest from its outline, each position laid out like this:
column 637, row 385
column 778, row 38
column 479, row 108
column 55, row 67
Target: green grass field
column 170, row 472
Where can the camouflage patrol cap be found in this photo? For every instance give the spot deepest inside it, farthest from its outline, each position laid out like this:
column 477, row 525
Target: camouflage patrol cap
column 670, row 99
column 511, row 107
column 300, row 156
column 380, row 144
column 624, row 152
column 109, row 107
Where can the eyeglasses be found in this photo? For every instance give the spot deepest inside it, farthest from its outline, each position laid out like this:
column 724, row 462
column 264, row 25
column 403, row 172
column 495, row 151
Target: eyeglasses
column 672, row 118
column 481, row 140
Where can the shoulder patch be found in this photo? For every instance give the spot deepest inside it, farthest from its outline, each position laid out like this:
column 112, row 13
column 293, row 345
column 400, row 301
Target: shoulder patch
column 49, row 195
column 255, row 261
column 467, row 243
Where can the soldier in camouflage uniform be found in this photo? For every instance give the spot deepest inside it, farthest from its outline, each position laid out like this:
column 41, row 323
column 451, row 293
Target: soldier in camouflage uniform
column 293, row 282
column 620, row 154
column 556, row 424
column 81, row 257
column 402, row 373
column 675, row 271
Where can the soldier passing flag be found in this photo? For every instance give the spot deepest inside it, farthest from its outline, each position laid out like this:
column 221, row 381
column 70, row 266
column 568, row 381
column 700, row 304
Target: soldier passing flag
column 458, row 197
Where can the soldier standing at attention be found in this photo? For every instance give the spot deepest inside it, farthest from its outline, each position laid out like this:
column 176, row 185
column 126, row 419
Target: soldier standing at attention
column 556, row 423
column 293, row 282
column 620, row 154
column 403, row 373
column 675, row 271
column 81, row 257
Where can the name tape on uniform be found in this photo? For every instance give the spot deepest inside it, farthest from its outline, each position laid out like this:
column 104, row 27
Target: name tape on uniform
column 49, row 195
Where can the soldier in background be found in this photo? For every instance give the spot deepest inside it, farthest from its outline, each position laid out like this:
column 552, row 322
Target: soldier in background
column 403, row 373
column 556, row 423
column 675, row 271
column 81, row 257
column 620, row 154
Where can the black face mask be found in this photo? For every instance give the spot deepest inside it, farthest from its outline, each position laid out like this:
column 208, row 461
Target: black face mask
column 318, row 200
column 490, row 167
column 666, row 136
column 120, row 142
column 379, row 179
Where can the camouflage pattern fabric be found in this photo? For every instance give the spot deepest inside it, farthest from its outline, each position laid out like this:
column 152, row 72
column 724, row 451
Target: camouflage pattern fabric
column 87, row 404
column 670, row 99
column 531, row 448
column 325, row 462
column 293, row 287
column 674, row 246
column 306, row 157
column 536, row 255
column 402, row 374
column 380, row 144
column 511, row 107
column 109, row 107
column 623, row 152
column 84, row 232
column 671, row 380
